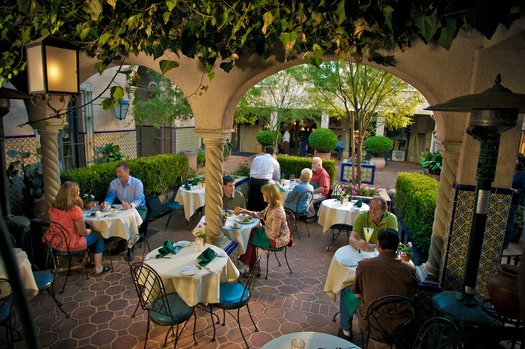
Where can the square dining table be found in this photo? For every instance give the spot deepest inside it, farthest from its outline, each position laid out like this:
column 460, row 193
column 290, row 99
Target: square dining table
column 180, row 273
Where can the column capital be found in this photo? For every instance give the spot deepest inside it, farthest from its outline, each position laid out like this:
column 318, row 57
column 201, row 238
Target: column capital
column 450, row 147
column 217, row 136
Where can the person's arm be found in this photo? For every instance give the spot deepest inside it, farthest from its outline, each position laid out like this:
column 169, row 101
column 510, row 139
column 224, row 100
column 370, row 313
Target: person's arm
column 139, row 198
column 276, row 175
column 81, row 226
column 254, row 214
column 111, row 195
column 355, row 240
column 78, row 217
column 273, row 227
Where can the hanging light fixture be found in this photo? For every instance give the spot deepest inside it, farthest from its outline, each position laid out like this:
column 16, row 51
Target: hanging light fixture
column 121, row 109
column 52, row 66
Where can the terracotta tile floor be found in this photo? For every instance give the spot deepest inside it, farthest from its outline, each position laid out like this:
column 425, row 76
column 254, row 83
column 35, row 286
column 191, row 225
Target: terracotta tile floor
column 100, row 308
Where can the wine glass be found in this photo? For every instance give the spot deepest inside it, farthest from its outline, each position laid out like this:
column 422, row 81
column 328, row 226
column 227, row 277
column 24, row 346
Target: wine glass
column 368, row 233
column 292, row 178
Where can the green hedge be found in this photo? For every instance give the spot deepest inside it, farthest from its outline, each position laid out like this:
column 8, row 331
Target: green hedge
column 415, row 202
column 295, row 164
column 95, row 179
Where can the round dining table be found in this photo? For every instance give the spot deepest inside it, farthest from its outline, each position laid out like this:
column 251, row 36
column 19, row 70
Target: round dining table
column 234, row 229
column 341, row 272
column 312, row 340
column 124, row 224
column 180, row 273
column 332, row 212
column 191, row 199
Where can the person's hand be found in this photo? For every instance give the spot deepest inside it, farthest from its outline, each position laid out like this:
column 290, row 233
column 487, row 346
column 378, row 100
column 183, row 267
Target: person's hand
column 126, row 205
column 362, row 245
column 237, row 210
column 103, row 205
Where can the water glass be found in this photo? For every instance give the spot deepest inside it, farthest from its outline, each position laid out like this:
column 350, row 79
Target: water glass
column 297, row 343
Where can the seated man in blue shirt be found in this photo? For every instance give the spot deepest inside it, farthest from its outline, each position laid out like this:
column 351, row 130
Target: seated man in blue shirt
column 130, row 192
column 293, row 197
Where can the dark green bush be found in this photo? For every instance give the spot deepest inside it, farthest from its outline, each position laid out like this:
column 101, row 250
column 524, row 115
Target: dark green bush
column 323, row 140
column 295, row 164
column 95, row 179
column 433, row 162
column 377, row 145
column 267, row 137
column 415, row 201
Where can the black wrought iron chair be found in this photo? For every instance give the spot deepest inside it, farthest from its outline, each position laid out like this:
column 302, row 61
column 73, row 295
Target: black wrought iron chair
column 164, row 309
column 234, row 296
column 305, row 200
column 58, row 250
column 389, row 319
column 438, row 333
column 7, row 312
column 139, row 243
column 290, row 218
column 173, row 206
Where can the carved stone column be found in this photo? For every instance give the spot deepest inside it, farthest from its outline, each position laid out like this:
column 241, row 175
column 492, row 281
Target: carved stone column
column 214, row 141
column 48, row 128
column 430, row 272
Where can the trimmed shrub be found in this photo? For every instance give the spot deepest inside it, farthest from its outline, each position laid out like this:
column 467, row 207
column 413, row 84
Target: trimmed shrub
column 151, row 170
column 323, row 140
column 415, row 201
column 267, row 137
column 295, row 164
column 377, row 145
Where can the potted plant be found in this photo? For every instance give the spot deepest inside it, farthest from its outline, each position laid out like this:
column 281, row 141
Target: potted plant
column 32, row 180
column 268, row 137
column 89, row 201
column 377, row 145
column 405, row 251
column 323, row 141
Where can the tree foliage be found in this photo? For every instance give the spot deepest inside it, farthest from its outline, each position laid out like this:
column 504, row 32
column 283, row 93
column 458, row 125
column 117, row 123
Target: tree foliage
column 225, row 30
column 362, row 94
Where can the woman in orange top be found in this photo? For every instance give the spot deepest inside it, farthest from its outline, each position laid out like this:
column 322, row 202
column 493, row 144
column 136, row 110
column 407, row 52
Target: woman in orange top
column 66, row 211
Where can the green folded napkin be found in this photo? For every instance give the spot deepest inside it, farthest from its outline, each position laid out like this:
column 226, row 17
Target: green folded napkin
column 281, row 189
column 167, row 248
column 206, row 257
column 187, row 185
column 315, row 185
column 351, row 303
column 359, row 203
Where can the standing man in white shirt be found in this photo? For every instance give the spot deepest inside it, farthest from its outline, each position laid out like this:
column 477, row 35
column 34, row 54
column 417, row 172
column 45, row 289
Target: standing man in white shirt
column 264, row 169
column 286, row 142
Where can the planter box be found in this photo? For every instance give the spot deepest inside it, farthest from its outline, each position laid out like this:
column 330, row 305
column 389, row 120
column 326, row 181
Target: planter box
column 368, row 172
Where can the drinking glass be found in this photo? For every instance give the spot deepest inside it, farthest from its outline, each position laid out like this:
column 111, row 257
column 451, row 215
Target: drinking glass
column 292, row 178
column 368, row 233
column 297, row 343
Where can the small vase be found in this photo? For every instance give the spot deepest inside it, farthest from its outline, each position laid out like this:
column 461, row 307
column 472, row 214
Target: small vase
column 503, row 290
column 199, row 244
column 405, row 257
column 89, row 205
column 224, row 222
column 344, row 201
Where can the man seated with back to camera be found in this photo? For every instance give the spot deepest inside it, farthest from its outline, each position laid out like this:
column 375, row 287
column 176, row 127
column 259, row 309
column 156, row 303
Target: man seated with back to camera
column 264, row 170
column 130, row 192
column 383, row 275
column 231, row 198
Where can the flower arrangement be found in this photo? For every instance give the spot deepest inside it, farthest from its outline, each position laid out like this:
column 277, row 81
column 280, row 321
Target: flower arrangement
column 201, row 232
column 226, row 213
column 363, row 190
column 87, row 198
column 405, row 249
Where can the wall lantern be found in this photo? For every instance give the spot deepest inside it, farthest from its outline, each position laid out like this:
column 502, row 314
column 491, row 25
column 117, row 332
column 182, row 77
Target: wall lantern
column 121, row 109
column 493, row 112
column 52, row 66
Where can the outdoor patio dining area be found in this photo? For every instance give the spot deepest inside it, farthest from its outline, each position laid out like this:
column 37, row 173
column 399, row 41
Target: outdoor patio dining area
column 101, row 308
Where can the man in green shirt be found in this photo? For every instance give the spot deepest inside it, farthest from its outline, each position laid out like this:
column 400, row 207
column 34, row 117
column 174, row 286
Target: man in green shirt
column 230, row 197
column 376, row 218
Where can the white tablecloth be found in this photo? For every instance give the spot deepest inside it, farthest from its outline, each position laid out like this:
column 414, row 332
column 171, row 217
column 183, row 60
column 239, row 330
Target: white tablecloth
column 25, row 271
column 240, row 233
column 312, row 340
column 202, row 287
column 340, row 275
column 124, row 225
column 287, row 187
column 191, row 200
column 333, row 212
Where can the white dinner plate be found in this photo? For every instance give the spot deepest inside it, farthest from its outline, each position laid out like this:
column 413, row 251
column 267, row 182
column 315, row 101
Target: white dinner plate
column 183, row 243
column 118, row 207
column 189, row 270
column 240, row 220
column 349, row 262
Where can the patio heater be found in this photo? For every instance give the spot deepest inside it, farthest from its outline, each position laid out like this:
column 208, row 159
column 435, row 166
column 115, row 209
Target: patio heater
column 493, row 112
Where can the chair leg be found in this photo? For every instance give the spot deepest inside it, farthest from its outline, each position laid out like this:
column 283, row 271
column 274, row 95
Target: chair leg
column 109, row 254
column 240, row 328
column 276, row 257
column 334, row 237
column 57, row 302
column 267, row 262
column 147, row 333
column 68, row 272
column 168, row 222
column 306, row 223
column 295, row 226
column 213, row 322
column 286, row 259
column 136, row 308
column 251, row 318
column 335, row 316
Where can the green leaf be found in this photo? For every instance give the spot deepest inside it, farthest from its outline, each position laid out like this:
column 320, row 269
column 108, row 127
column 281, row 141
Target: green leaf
column 107, row 103
column 171, row 4
column 117, row 92
column 268, row 20
column 427, row 26
column 166, row 65
column 448, row 32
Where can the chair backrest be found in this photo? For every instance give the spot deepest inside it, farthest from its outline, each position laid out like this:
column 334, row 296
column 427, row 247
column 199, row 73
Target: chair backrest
column 56, row 237
column 340, row 188
column 135, row 241
column 438, row 333
column 388, row 316
column 290, row 218
column 304, row 202
column 150, row 289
